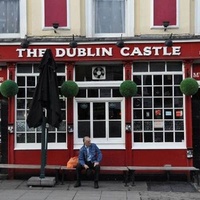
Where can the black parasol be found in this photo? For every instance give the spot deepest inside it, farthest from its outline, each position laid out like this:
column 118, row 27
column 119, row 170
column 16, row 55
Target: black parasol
column 45, row 106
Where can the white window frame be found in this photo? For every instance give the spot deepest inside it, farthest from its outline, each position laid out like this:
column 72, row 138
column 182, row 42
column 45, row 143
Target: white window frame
column 170, row 26
column 45, row 28
column 159, row 145
column 129, row 20
column 23, row 22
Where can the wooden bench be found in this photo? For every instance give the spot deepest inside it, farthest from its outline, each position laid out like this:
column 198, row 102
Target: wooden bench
column 30, row 166
column 122, row 169
column 166, row 168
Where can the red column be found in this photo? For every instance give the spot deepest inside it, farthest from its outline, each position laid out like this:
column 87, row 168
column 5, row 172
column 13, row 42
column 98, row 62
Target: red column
column 188, row 109
column 70, row 110
column 128, row 111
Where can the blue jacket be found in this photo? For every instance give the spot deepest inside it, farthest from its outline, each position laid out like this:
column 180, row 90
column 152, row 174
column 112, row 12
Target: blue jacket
column 95, row 152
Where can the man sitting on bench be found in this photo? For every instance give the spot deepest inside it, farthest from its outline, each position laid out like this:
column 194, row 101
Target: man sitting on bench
column 89, row 158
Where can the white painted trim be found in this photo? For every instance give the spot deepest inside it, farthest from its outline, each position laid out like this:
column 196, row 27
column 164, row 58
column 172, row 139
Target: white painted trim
column 129, row 20
column 23, row 22
column 34, row 146
column 157, row 146
column 171, row 26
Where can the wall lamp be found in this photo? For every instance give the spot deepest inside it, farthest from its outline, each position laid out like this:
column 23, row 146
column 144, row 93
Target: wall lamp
column 55, row 26
column 165, row 24
column 73, row 43
column 25, row 43
column 169, row 42
column 120, row 43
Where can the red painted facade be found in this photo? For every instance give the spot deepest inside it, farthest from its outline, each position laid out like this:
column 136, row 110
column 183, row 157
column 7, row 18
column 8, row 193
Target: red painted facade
column 187, row 52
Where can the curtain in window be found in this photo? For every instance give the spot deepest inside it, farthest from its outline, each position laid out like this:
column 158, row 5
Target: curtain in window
column 109, row 16
column 9, row 16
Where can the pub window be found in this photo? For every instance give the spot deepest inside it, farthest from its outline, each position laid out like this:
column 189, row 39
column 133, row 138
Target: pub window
column 27, row 77
column 158, row 114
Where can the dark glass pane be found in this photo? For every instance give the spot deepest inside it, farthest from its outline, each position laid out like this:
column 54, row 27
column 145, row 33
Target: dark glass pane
column 116, row 93
column 20, row 115
column 81, row 93
column 51, row 137
column 114, row 73
column 62, row 126
column 179, row 137
column 169, row 137
column 174, row 66
column 157, row 91
column 147, row 102
column 167, row 79
column 158, row 114
column 157, row 66
column 61, row 80
column 147, row 80
column 20, row 103
column 178, row 114
column 158, row 137
column 148, row 137
column 30, row 92
column 137, row 103
column 114, row 110
column 157, row 102
column 167, row 102
column 147, row 114
column 21, row 92
column 140, row 67
column 31, row 81
column 31, row 138
column 139, row 91
column 99, row 129
column 51, row 128
column 179, row 125
column 92, row 92
column 61, row 137
column 138, row 137
column 168, row 125
column 60, row 68
column 137, row 114
column 20, row 138
column 168, row 91
column 114, row 129
column 147, row 91
column 177, row 91
column 157, row 79
column 99, row 111
column 148, row 126
column 83, row 111
column 83, row 73
column 137, row 126
column 83, row 129
column 178, row 79
column 38, row 137
column 137, row 79
column 62, row 103
column 178, row 102
column 24, row 68
column 21, row 81
column 168, row 114
column 105, row 92
column 36, row 68
column 29, row 103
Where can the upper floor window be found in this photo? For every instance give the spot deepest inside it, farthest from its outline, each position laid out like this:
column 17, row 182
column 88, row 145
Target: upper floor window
column 165, row 11
column 197, row 17
column 12, row 18
column 56, row 12
column 109, row 18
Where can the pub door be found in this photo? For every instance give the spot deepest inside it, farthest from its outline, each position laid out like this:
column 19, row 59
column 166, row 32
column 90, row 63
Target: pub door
column 196, row 128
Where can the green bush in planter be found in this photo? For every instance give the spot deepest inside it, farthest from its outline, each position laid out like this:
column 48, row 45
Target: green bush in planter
column 128, row 88
column 189, row 86
column 69, row 89
column 9, row 88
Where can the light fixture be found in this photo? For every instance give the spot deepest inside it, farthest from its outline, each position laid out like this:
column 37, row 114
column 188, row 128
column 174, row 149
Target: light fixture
column 120, row 43
column 55, row 26
column 25, row 43
column 73, row 43
column 165, row 24
column 169, row 42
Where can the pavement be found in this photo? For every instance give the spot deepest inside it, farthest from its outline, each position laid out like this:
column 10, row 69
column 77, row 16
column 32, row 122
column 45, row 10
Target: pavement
column 108, row 190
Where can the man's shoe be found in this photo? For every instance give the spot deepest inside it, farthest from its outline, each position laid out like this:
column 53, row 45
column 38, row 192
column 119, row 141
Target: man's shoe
column 96, row 185
column 77, row 184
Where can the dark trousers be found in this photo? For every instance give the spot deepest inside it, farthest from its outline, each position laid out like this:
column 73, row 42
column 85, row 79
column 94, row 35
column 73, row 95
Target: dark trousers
column 96, row 169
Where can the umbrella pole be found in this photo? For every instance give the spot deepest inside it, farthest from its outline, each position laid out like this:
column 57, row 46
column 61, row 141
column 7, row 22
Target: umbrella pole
column 43, row 146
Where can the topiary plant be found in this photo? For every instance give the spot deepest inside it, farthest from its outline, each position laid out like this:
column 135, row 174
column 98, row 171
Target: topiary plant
column 69, row 89
column 189, row 86
column 9, row 88
column 128, row 88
